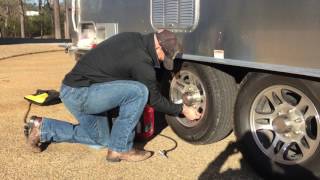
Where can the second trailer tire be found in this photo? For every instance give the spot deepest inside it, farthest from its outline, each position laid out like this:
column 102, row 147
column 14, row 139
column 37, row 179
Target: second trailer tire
column 213, row 93
column 277, row 124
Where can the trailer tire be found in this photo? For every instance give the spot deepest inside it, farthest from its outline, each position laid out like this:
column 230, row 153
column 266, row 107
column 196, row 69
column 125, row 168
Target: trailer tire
column 219, row 89
column 273, row 149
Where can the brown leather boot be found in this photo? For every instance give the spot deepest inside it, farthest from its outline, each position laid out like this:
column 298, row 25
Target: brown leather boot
column 32, row 132
column 134, row 155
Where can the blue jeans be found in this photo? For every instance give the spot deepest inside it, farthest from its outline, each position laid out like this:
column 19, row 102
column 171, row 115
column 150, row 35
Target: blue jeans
column 87, row 104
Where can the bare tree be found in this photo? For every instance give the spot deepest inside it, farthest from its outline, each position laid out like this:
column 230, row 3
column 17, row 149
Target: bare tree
column 40, row 8
column 4, row 15
column 6, row 18
column 22, row 18
column 67, row 21
column 56, row 11
column 49, row 4
column 8, row 11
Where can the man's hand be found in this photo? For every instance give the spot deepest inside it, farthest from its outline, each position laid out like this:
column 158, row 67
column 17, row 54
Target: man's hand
column 190, row 113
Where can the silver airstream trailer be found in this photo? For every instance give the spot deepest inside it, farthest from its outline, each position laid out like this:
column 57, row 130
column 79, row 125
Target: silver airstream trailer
column 248, row 65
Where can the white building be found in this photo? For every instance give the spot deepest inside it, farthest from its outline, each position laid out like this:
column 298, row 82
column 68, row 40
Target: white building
column 32, row 13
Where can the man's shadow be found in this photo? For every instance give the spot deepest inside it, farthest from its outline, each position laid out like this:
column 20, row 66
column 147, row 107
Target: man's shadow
column 250, row 172
column 213, row 169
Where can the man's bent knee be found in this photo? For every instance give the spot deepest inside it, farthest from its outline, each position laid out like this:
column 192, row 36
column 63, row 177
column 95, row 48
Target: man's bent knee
column 142, row 90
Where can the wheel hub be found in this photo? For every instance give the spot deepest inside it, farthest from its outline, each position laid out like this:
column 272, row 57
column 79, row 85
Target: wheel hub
column 289, row 125
column 191, row 98
column 281, row 125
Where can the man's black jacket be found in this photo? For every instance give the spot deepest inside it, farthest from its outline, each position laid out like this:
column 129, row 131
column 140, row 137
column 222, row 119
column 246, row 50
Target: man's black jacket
column 126, row 56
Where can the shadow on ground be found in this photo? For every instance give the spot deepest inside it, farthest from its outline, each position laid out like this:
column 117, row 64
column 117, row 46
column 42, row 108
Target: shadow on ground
column 213, row 169
column 263, row 166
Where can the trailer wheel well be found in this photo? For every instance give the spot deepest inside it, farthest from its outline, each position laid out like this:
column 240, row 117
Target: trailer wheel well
column 240, row 74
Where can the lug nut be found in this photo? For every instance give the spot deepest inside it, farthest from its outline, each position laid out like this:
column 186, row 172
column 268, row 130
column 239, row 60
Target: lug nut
column 297, row 132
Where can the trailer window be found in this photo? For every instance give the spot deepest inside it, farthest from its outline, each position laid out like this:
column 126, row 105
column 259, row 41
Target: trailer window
column 176, row 15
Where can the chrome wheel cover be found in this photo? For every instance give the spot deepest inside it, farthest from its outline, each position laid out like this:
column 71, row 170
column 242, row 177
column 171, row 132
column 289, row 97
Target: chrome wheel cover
column 188, row 88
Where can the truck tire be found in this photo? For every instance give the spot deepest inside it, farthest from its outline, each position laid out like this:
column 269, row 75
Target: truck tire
column 213, row 92
column 277, row 124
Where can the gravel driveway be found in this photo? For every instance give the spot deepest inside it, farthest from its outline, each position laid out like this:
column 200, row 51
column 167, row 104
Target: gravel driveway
column 22, row 75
